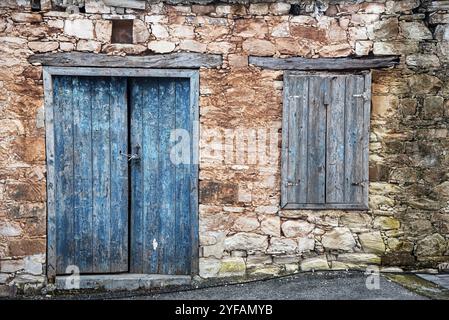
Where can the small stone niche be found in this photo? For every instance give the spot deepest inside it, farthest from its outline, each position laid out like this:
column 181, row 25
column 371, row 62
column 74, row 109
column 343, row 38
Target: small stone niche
column 122, row 31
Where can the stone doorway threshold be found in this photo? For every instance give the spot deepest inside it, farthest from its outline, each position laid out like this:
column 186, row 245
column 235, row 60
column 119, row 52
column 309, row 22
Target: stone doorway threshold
column 125, row 281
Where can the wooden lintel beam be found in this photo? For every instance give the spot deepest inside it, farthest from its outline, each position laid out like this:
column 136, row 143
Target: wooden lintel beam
column 186, row 60
column 324, row 64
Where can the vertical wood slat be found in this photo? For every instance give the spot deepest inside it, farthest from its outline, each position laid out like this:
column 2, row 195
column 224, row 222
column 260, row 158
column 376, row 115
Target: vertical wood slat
column 101, row 163
column 366, row 138
column 64, row 172
column 335, row 158
column 150, row 170
column 316, row 143
column 167, row 178
column 183, row 248
column 137, row 191
column 118, row 129
column 83, row 177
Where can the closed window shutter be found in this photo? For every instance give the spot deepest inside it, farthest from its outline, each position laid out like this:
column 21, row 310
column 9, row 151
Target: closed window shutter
column 325, row 141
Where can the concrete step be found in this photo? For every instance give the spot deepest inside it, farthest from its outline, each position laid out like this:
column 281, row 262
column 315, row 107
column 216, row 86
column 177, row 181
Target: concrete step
column 114, row 282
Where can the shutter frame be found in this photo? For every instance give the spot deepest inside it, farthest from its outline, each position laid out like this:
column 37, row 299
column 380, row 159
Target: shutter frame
column 362, row 138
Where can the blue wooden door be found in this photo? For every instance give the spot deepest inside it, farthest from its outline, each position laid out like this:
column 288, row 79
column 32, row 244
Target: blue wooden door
column 162, row 230
column 114, row 212
column 90, row 121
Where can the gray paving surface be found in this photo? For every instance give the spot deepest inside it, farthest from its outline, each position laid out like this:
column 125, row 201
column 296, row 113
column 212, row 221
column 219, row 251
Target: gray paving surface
column 320, row 285
column 439, row 279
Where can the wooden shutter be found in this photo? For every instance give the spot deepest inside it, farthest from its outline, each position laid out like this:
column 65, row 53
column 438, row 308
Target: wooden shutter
column 325, row 140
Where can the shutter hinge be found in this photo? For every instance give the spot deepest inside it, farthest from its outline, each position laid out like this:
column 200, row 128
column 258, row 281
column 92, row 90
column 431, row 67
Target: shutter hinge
column 291, row 184
column 364, row 95
column 361, row 184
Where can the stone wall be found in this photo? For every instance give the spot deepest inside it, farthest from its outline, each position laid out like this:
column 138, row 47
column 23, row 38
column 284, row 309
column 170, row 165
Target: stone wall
column 242, row 229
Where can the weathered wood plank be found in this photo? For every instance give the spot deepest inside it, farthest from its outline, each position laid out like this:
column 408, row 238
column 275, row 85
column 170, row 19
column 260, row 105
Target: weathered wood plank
column 101, row 163
column 335, row 157
column 182, row 178
column 316, row 142
column 118, row 135
column 167, row 178
column 152, row 118
column 186, row 60
column 321, row 64
column 137, row 188
column 366, row 136
column 82, row 178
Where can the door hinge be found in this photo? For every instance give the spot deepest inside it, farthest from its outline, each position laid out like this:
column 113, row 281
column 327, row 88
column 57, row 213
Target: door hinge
column 364, row 95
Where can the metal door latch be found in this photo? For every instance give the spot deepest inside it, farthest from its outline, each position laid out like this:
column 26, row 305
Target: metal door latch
column 361, row 184
column 364, row 95
column 133, row 156
column 291, row 184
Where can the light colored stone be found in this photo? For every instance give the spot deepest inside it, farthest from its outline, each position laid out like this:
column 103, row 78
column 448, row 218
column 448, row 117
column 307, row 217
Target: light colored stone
column 88, row 45
column 420, row 60
column 339, row 238
column 372, row 242
column 231, row 267
column 48, row 46
column 258, row 47
column 432, row 245
column 10, row 266
column 127, row 48
column 271, row 225
column 281, row 30
column 306, row 244
column 267, row 209
column 282, row 246
column 258, row 8
column 80, row 28
column 33, row 264
column 266, row 271
column 103, row 30
column 223, row 10
column 280, row 8
column 394, row 47
column 257, row 260
column 8, row 229
column 386, row 223
column 140, row 31
column 159, row 31
column 359, row 258
column 4, row 277
column 26, row 17
column 415, row 30
column 161, row 46
column 66, row 46
column 220, row 47
column 314, row 264
column 182, row 31
column 58, row 24
column 192, row 46
column 296, row 228
column 246, row 241
column 363, row 48
column 96, row 6
column 216, row 247
column 209, row 268
column 442, row 32
column 246, row 223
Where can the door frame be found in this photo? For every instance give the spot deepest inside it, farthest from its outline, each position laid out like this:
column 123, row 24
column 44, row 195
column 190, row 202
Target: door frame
column 48, row 73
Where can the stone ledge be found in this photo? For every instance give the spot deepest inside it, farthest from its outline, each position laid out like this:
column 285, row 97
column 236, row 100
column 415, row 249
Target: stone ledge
column 115, row 282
